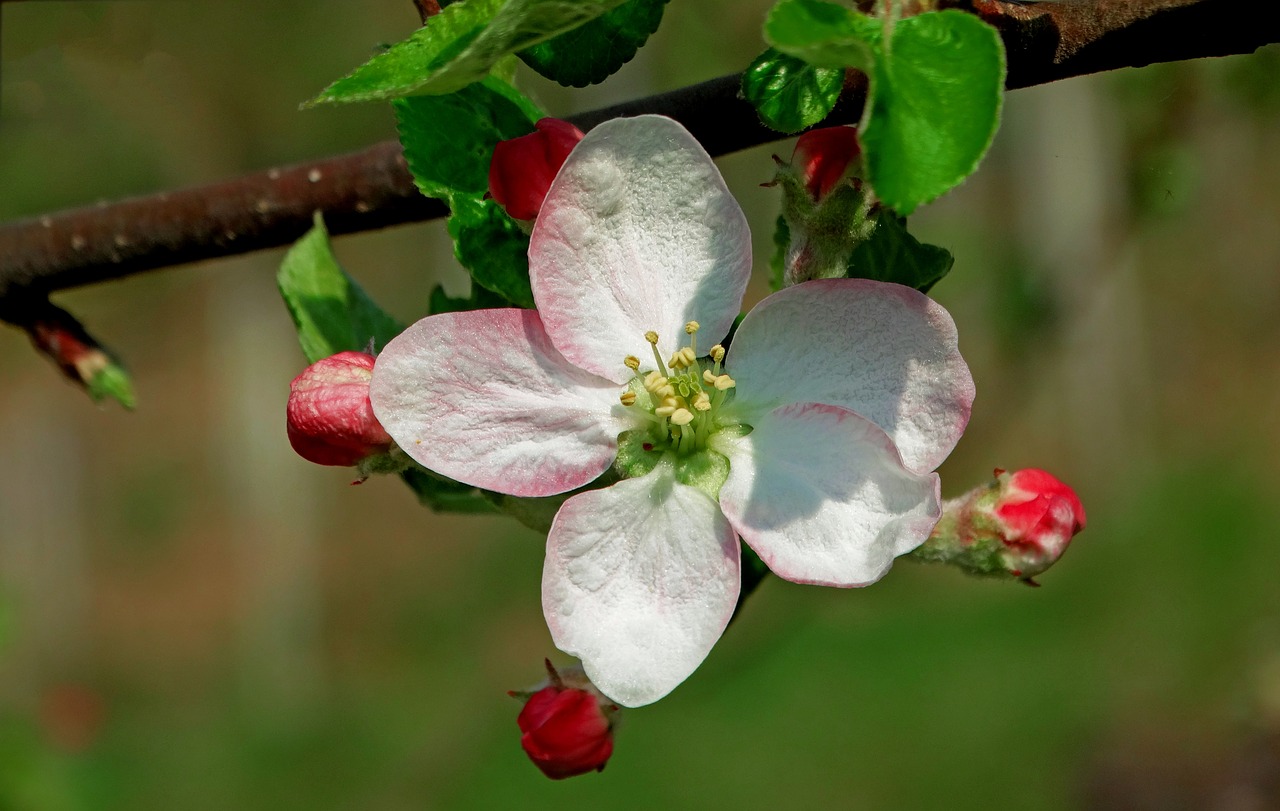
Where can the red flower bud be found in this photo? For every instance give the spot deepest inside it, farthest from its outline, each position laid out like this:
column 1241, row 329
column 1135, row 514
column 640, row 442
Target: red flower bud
column 330, row 419
column 567, row 726
column 823, row 156
column 1015, row 526
column 523, row 168
column 1037, row 515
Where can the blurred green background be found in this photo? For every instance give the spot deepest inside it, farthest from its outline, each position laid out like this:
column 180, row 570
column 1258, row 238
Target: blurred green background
column 192, row 617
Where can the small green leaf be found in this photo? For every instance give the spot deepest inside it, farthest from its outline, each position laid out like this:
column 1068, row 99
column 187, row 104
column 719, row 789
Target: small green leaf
column 891, row 254
column 934, row 107
column 446, row 495
column 448, row 140
column 823, row 34
column 460, row 45
column 114, row 382
column 789, row 93
column 778, row 261
column 329, row 309
column 593, row 52
column 492, row 247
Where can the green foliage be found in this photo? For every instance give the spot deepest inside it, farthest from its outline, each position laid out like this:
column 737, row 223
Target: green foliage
column 114, row 382
column 891, row 254
column 446, row 495
column 934, row 107
column 332, row 313
column 936, row 89
column 448, row 143
column 448, row 140
column 460, row 45
column 591, row 53
column 493, row 248
column 824, row 34
column 788, row 93
column 778, row 261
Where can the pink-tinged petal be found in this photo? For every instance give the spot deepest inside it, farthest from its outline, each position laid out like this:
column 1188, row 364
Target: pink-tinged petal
column 821, row 495
column 638, row 232
column 639, row 582
column 483, row 397
column 883, row 350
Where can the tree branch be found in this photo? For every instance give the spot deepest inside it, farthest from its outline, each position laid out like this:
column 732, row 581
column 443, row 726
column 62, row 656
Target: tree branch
column 372, row 188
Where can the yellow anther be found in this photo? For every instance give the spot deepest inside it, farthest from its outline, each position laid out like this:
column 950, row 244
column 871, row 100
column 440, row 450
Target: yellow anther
column 665, row 391
column 683, row 359
column 717, row 353
column 682, row 416
column 664, row 410
column 724, row 382
column 632, row 363
column 628, row 398
column 651, row 337
column 654, row 381
column 702, row 402
column 691, row 327
column 708, row 377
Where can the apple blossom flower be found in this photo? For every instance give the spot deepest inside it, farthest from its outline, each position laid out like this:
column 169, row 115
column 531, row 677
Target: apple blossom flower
column 812, row 438
column 522, row 168
column 566, row 725
column 1017, row 525
column 330, row 419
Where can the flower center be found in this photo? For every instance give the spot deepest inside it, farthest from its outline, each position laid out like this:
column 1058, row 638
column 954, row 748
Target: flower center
column 682, row 396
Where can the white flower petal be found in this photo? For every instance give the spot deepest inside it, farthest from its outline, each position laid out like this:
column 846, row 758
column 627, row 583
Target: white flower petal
column 883, row 350
column 639, row 582
column 638, row 232
column 821, row 495
column 483, row 397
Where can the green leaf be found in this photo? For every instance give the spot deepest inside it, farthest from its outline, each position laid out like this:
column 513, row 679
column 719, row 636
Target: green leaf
column 493, row 248
column 330, row 310
column 459, row 46
column 114, row 382
column 891, row 254
column 824, row 34
column 789, row 93
column 778, row 261
column 934, row 107
column 593, row 52
column 446, row 495
column 448, row 140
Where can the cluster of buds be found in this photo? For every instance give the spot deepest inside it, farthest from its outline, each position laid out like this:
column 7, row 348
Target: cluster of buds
column 522, row 168
column 1017, row 526
column 566, row 726
column 828, row 211
column 331, row 421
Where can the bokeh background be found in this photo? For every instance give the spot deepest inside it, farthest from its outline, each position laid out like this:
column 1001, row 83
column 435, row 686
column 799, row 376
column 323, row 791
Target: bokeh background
column 192, row 617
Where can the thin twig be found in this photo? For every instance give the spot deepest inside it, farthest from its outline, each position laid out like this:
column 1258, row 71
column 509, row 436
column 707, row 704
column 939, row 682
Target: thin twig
column 372, row 189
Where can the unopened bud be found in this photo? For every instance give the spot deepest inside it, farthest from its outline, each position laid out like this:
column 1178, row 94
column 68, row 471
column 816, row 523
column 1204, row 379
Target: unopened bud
column 566, row 725
column 522, row 168
column 1017, row 526
column 823, row 157
column 330, row 419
